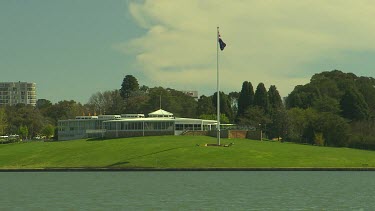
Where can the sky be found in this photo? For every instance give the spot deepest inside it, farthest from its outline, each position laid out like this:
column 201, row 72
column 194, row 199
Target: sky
column 72, row 49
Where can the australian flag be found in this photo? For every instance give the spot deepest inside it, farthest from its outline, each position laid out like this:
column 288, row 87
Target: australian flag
column 221, row 42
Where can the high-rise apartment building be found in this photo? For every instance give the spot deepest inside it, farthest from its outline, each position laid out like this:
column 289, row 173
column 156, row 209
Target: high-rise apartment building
column 12, row 93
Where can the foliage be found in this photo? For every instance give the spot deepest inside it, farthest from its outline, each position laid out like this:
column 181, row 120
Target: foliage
column 261, row 98
column 363, row 134
column 254, row 116
column 23, row 132
column 302, row 96
column 223, row 118
column 319, row 139
column 24, row 115
column 233, row 99
column 246, row 98
column 205, row 105
column 225, row 107
column 66, row 110
column 174, row 101
column 3, row 121
column 48, row 131
column 297, row 124
column 327, row 104
column 108, row 102
column 279, row 124
column 366, row 86
column 304, row 124
column 274, row 98
column 278, row 117
column 354, row 106
column 129, row 85
column 355, row 95
column 42, row 104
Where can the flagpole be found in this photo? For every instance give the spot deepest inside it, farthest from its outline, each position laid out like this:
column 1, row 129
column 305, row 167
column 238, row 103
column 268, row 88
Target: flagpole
column 218, row 93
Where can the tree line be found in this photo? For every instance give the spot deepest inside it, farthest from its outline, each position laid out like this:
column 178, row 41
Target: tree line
column 333, row 109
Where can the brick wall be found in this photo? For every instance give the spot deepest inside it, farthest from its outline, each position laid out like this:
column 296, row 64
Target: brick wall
column 236, row 134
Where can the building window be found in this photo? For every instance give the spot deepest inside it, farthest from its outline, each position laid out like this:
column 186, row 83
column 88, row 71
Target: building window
column 179, row 127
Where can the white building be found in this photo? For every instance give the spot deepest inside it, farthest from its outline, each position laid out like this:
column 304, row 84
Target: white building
column 159, row 122
column 12, row 93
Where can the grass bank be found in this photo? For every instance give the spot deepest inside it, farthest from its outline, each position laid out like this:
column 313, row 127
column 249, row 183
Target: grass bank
column 177, row 152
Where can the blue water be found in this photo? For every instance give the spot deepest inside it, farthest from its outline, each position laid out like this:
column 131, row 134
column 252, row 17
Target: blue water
column 187, row 190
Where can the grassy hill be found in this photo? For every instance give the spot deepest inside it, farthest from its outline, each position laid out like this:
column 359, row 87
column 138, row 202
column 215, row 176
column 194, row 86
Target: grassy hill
column 177, row 152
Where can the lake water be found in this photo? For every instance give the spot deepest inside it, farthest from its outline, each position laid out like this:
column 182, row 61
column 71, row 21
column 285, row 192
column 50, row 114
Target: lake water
column 184, row 190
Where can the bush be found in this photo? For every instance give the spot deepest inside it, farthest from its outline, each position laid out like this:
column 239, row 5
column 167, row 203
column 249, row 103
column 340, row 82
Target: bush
column 362, row 142
column 319, row 139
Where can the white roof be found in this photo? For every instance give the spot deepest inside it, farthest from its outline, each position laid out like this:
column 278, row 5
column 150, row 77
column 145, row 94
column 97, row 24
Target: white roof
column 194, row 121
column 142, row 119
column 160, row 112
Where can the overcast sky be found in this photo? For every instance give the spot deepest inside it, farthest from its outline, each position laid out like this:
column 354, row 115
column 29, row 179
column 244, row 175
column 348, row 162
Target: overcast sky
column 73, row 49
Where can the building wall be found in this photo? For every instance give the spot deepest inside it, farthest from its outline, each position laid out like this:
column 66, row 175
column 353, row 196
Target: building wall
column 117, row 128
column 76, row 128
column 12, row 93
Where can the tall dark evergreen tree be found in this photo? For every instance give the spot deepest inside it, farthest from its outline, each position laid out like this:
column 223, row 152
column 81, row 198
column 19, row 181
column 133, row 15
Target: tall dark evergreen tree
column 274, row 98
column 246, row 98
column 276, row 113
column 261, row 98
column 129, row 85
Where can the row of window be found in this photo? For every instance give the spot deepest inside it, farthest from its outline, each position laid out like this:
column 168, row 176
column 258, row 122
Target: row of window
column 188, row 127
column 80, row 124
column 138, row 125
column 123, row 126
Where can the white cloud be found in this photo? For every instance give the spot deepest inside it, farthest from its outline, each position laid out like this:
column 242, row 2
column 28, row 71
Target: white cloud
column 267, row 40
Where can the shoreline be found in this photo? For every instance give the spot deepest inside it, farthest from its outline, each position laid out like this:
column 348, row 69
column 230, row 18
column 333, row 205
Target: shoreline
column 99, row 169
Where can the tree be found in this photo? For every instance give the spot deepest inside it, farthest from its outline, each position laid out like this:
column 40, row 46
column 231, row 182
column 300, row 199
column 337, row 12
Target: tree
column 223, row 118
column 24, row 115
column 306, row 124
column 303, row 96
column 277, row 114
column 261, row 98
column 129, row 85
column 23, row 132
column 246, row 98
column 225, row 107
column 233, row 99
column 327, row 104
column 254, row 116
column 274, row 98
column 117, row 104
column 48, row 131
column 297, row 124
column 174, row 101
column 354, row 106
column 98, row 103
column 65, row 110
column 43, row 104
column 3, row 121
column 366, row 86
column 279, row 124
column 205, row 105
column 335, row 129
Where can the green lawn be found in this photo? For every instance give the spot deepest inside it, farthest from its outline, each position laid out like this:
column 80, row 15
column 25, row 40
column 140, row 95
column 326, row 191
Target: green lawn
column 177, row 152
